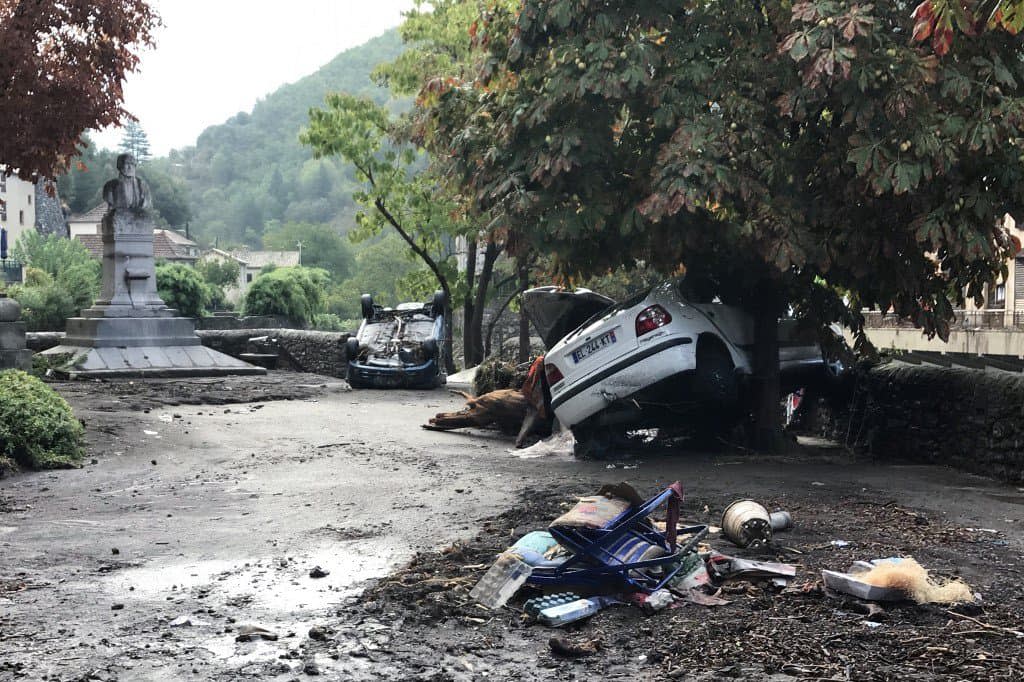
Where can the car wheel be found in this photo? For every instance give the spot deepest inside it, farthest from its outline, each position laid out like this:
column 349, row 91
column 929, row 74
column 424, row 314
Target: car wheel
column 366, row 303
column 716, row 383
column 597, row 442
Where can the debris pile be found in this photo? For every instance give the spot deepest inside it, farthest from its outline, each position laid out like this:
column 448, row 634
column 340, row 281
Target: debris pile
column 608, row 550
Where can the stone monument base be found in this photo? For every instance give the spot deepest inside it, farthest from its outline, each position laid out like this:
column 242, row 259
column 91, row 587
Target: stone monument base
column 12, row 342
column 142, row 347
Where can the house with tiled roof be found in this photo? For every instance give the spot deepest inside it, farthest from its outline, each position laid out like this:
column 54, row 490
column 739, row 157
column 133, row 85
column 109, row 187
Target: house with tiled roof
column 167, row 244
column 88, row 222
column 249, row 265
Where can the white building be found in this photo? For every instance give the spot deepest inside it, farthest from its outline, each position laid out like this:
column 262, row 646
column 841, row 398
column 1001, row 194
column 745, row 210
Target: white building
column 18, row 211
column 249, row 265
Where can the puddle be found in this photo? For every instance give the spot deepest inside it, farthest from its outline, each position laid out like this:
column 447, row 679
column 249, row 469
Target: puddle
column 269, row 583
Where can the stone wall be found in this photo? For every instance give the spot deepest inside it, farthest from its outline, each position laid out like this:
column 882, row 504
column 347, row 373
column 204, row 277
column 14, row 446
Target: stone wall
column 49, row 214
column 300, row 350
column 247, row 322
column 968, row 419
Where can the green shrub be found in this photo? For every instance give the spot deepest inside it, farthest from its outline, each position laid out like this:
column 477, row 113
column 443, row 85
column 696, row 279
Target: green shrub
column 60, row 280
column 37, row 428
column 221, row 273
column 494, row 374
column 297, row 293
column 182, row 288
column 45, row 307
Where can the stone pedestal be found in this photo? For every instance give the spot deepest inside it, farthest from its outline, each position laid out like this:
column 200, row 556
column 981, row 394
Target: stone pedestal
column 130, row 331
column 13, row 354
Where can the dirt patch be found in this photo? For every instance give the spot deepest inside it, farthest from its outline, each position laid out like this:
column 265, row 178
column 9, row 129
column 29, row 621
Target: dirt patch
column 799, row 631
column 114, row 395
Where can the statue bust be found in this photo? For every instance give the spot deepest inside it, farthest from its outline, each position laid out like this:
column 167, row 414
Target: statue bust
column 127, row 191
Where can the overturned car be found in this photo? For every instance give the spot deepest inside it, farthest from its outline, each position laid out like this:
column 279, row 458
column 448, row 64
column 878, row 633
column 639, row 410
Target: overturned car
column 400, row 347
column 653, row 360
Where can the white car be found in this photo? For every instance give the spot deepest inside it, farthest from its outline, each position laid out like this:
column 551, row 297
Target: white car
column 650, row 360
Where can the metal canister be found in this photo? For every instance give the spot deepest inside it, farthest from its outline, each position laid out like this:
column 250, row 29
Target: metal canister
column 747, row 524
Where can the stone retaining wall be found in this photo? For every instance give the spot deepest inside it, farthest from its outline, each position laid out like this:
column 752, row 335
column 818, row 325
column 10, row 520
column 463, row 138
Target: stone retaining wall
column 300, row 350
column 968, row 419
column 247, row 322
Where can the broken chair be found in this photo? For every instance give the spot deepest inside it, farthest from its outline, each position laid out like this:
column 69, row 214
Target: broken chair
column 625, row 552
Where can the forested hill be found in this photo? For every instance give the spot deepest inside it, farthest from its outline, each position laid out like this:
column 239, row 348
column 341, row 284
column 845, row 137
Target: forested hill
column 251, row 170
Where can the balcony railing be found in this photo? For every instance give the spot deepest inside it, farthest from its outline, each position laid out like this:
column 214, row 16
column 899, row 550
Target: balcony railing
column 963, row 320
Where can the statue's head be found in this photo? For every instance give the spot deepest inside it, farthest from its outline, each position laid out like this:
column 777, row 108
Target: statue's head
column 126, row 165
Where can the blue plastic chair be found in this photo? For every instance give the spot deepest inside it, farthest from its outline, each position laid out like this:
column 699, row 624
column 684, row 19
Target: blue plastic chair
column 610, row 557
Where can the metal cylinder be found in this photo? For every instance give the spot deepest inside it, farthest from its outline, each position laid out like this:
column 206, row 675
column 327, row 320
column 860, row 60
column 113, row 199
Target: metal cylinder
column 780, row 520
column 747, row 524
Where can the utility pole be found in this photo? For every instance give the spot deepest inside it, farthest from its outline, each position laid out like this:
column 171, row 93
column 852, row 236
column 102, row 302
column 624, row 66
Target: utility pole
column 299, row 244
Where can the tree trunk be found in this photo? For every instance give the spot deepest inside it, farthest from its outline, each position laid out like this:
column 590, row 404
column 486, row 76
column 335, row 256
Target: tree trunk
column 524, row 322
column 469, row 350
column 449, row 359
column 767, row 427
column 476, row 324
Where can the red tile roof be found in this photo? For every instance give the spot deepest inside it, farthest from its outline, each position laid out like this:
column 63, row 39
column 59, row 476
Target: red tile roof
column 162, row 247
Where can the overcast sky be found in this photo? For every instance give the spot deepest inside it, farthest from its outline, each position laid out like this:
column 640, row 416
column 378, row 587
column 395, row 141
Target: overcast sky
column 214, row 58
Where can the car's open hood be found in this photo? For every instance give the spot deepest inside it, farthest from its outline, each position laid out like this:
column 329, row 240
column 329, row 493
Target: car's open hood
column 555, row 312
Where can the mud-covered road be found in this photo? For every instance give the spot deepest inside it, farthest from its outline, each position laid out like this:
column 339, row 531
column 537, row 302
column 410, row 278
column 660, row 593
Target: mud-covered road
column 204, row 508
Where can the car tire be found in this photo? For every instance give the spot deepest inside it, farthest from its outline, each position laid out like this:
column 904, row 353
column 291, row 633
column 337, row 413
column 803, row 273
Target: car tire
column 597, row 442
column 366, row 304
column 715, row 381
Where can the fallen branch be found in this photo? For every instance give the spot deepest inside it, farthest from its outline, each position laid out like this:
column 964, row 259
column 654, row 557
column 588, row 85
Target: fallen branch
column 987, row 626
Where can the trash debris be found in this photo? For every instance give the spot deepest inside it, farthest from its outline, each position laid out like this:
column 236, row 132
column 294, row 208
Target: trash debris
column 780, row 520
column 535, row 547
column 180, row 621
column 704, row 599
column 535, row 605
column 840, row 543
column 150, row 433
column 501, row 581
column 747, row 524
column 560, row 646
column 320, row 633
column 248, row 633
column 317, row 572
column 559, row 444
column 563, row 614
column 722, row 568
column 657, row 600
column 896, row 579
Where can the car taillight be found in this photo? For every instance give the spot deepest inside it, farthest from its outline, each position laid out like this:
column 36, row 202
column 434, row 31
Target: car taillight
column 650, row 319
column 554, row 375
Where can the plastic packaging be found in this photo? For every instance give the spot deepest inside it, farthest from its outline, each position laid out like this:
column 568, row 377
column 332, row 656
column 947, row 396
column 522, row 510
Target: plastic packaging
column 657, row 600
column 563, row 614
column 501, row 581
column 534, row 606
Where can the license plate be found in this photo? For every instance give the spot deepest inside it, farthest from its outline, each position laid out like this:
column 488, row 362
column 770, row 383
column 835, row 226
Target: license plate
column 592, row 346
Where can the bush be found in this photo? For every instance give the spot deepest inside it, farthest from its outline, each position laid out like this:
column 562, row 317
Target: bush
column 60, row 280
column 37, row 428
column 182, row 288
column 296, row 293
column 45, row 305
column 220, row 273
column 494, row 374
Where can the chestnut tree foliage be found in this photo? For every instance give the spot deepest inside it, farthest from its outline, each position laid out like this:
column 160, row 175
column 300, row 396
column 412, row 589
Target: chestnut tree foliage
column 62, row 69
column 811, row 154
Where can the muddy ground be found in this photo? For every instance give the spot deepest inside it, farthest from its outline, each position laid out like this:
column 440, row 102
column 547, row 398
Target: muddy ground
column 204, row 507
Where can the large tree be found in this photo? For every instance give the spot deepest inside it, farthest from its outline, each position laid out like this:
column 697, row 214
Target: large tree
column 802, row 154
column 62, row 70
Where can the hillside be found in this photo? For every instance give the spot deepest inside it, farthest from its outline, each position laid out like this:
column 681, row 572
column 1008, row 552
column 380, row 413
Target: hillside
column 251, row 169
